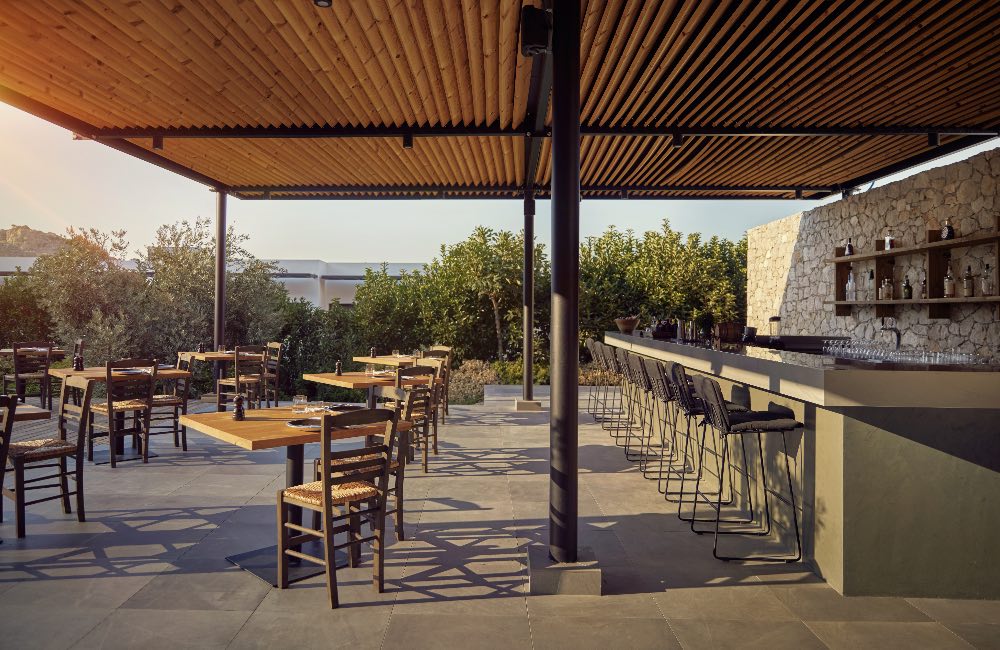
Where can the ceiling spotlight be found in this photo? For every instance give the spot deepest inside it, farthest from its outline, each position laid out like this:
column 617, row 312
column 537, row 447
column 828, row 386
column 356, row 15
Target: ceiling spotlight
column 798, row 193
column 407, row 140
column 267, row 195
column 325, row 4
column 933, row 139
column 623, row 194
column 158, row 142
column 678, row 140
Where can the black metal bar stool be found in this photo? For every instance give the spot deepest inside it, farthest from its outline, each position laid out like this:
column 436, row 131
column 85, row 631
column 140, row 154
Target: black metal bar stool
column 661, row 416
column 642, row 407
column 728, row 424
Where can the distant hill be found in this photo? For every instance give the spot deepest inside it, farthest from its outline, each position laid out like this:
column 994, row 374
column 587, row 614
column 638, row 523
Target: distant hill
column 22, row 241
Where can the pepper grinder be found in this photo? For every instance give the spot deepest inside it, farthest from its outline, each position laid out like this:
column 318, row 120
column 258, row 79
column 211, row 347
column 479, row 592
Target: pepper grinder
column 371, row 351
column 238, row 413
column 340, row 368
column 201, row 347
column 77, row 362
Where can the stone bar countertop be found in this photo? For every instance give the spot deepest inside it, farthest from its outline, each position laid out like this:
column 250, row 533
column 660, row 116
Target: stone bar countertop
column 826, row 381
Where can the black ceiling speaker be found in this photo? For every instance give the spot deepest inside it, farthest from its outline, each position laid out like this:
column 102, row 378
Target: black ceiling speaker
column 536, row 31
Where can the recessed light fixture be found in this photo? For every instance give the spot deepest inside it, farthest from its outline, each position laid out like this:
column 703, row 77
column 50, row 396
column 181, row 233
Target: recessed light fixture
column 325, row 4
column 407, row 140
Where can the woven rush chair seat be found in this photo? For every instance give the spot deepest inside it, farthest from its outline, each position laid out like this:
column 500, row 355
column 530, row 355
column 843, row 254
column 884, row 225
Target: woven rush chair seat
column 167, row 400
column 393, row 465
column 760, row 421
column 123, row 405
column 244, row 379
column 312, row 493
column 41, row 449
column 34, row 376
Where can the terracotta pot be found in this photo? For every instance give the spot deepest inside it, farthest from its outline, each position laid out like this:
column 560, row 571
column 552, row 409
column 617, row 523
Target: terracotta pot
column 627, row 324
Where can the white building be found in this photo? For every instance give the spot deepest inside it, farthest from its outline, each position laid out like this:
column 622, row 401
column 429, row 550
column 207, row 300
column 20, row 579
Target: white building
column 319, row 282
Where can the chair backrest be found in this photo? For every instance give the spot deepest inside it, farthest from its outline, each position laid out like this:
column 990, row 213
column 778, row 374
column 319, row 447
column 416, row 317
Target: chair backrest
column 681, row 389
column 715, row 403
column 605, row 358
column 416, row 372
column 445, row 348
column 272, row 357
column 368, row 463
column 71, row 412
column 8, row 406
column 136, row 383
column 654, row 371
column 248, row 360
column 32, row 357
column 639, row 374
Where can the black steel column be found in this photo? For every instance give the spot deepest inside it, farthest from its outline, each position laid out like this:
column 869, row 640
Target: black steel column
column 529, row 296
column 220, row 270
column 563, row 434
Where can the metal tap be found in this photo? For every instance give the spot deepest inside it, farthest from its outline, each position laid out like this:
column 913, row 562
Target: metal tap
column 891, row 327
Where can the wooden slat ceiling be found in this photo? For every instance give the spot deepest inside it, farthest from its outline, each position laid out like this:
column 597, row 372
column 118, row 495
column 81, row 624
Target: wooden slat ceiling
column 674, row 65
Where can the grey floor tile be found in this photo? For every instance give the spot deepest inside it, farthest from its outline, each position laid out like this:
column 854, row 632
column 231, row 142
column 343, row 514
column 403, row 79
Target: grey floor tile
column 746, row 602
column 151, row 629
column 601, row 632
column 623, row 605
column 35, row 626
column 192, row 585
column 984, row 636
column 82, row 592
column 471, row 631
column 949, row 610
column 886, row 636
column 814, row 604
column 347, row 627
column 721, row 635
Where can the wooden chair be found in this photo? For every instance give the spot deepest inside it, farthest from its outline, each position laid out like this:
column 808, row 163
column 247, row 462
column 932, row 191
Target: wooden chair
column 172, row 403
column 444, row 375
column 31, row 363
column 47, row 453
column 344, row 495
column 271, row 372
column 401, row 401
column 246, row 380
column 130, row 385
column 420, row 412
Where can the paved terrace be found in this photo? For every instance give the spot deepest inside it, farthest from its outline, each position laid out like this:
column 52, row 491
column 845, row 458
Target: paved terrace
column 147, row 569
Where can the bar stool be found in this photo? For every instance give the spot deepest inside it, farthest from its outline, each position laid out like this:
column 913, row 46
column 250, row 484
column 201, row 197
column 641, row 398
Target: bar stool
column 591, row 407
column 609, row 396
column 663, row 415
column 741, row 424
column 642, row 403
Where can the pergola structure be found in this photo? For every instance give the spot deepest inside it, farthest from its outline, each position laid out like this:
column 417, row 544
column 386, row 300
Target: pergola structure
column 394, row 99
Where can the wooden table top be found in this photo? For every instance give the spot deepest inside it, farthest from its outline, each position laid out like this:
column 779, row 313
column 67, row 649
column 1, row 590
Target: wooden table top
column 266, row 428
column 57, row 353
column 28, row 413
column 402, row 361
column 100, row 374
column 219, row 356
column 356, row 380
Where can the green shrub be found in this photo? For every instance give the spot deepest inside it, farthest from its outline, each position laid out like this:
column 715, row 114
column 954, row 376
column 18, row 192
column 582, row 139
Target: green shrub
column 468, row 381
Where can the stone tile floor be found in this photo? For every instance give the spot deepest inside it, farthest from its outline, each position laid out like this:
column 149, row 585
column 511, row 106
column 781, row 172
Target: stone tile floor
column 147, row 568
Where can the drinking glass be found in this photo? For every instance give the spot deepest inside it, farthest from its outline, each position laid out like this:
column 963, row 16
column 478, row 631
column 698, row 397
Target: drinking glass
column 416, row 353
column 395, row 352
column 299, row 403
column 222, row 348
column 369, row 370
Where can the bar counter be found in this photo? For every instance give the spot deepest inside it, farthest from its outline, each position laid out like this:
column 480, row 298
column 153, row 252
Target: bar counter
column 897, row 471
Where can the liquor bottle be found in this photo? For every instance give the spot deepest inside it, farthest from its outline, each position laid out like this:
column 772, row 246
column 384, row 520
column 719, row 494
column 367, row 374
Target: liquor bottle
column 986, row 284
column 907, row 289
column 889, row 290
column 947, row 230
column 871, row 284
column 949, row 284
column 968, row 283
column 849, row 248
column 890, row 241
column 851, row 290
column 923, row 286
column 340, row 368
column 201, row 347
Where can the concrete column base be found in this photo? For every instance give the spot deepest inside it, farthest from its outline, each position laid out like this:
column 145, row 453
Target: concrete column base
column 548, row 577
column 527, row 405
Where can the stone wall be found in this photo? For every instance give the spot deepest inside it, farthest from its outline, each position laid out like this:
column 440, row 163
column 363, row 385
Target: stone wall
column 787, row 274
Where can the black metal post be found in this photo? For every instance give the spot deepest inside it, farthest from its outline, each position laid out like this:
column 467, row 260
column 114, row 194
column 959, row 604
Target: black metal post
column 563, row 434
column 529, row 296
column 220, row 269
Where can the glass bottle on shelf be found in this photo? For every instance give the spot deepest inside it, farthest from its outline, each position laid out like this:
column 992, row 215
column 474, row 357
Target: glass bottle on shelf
column 890, row 241
column 849, row 248
column 889, row 290
column 851, row 289
column 923, row 286
column 871, row 285
column 907, row 288
column 881, row 290
column 968, row 283
column 947, row 230
column 986, row 282
column 949, row 284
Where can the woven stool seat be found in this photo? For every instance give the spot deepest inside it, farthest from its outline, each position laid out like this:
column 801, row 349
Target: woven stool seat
column 168, row 400
column 393, row 465
column 760, row 421
column 312, row 493
column 42, row 449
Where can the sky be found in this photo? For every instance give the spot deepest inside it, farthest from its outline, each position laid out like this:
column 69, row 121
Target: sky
column 50, row 182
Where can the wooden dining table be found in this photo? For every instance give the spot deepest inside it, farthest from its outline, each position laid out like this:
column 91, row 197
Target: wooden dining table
column 395, row 360
column 58, row 354
column 99, row 374
column 219, row 360
column 268, row 429
column 359, row 381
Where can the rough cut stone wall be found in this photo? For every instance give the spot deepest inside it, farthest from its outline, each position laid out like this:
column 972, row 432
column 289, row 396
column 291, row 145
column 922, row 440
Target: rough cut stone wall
column 787, row 275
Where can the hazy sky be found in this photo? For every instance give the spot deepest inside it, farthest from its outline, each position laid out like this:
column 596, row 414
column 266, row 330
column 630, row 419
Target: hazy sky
column 49, row 181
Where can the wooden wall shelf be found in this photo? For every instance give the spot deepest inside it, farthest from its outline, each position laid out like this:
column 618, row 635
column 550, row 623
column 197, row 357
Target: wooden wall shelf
column 937, row 254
